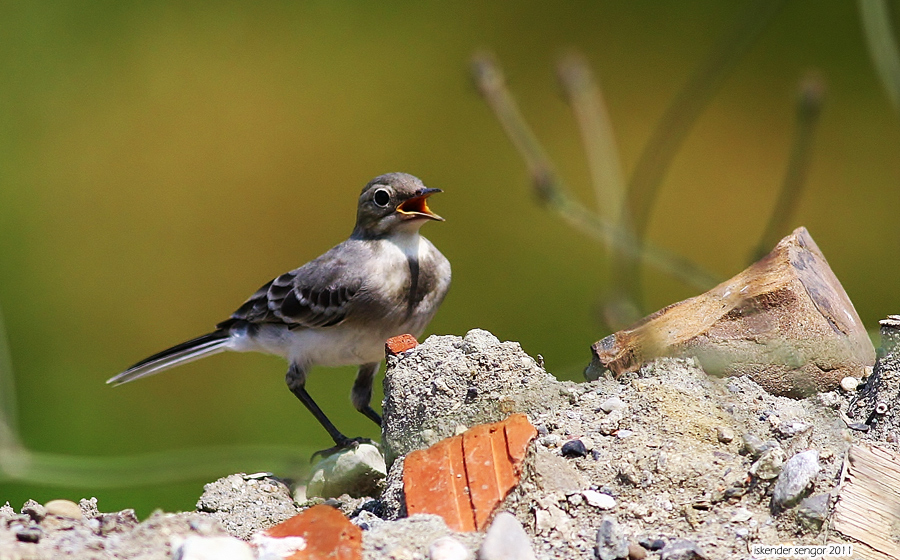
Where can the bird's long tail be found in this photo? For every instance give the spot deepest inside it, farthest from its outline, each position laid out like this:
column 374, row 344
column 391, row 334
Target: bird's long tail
column 194, row 349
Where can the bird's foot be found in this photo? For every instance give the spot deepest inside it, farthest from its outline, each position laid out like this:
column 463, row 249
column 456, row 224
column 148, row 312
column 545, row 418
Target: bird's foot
column 341, row 445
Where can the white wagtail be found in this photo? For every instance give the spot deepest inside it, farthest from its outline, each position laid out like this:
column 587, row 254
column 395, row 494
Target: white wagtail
column 340, row 308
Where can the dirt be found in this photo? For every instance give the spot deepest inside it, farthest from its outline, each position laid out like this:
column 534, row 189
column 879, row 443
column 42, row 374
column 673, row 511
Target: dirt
column 671, row 457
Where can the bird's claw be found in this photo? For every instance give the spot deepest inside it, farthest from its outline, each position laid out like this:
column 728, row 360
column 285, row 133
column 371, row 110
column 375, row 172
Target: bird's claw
column 342, row 445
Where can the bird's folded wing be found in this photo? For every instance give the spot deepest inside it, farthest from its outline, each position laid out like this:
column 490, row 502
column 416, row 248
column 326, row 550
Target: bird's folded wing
column 318, row 294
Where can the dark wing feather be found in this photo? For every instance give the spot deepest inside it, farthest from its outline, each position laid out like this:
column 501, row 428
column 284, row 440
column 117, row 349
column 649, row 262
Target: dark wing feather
column 318, row 294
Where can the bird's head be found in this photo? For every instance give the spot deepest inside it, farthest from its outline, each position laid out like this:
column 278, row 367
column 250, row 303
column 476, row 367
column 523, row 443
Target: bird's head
column 393, row 203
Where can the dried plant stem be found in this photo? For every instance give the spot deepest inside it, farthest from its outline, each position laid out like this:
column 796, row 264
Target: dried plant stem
column 809, row 108
column 31, row 467
column 552, row 191
column 589, row 106
column 882, row 43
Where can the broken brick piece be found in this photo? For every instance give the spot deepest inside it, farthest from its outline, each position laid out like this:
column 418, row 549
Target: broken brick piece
column 318, row 532
column 463, row 478
column 398, row 344
column 435, row 482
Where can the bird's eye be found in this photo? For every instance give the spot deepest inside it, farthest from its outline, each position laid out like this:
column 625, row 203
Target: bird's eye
column 382, row 197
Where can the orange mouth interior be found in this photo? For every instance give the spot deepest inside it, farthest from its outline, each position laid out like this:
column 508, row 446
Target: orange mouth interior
column 415, row 205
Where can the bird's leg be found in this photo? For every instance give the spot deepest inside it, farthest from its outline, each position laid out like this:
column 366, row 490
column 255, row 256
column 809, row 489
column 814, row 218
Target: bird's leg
column 296, row 382
column 361, row 395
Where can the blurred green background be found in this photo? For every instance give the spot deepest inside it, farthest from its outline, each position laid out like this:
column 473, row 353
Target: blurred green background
column 159, row 162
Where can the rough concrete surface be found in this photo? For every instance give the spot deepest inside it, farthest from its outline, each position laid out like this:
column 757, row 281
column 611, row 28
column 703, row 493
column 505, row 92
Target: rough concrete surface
column 672, row 461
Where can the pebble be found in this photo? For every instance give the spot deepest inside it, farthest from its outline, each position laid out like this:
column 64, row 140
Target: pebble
column 448, row 548
column 790, row 429
column 724, row 434
column 636, row 551
column 611, row 544
column 29, row 534
column 813, row 511
column 849, row 383
column 612, row 403
column 681, row 549
column 551, row 440
column 652, row 544
column 622, row 434
column 212, row 548
column 367, row 520
column 574, row 448
column 599, row 499
column 796, row 478
column 769, row 465
column 741, row 514
column 64, row 508
column 354, row 471
column 755, row 447
column 506, row 540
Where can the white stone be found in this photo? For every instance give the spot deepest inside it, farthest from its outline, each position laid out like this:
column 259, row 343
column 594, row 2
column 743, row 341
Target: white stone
column 506, row 540
column 849, row 383
column 612, row 403
column 740, row 515
column 351, row 471
column 599, row 499
column 448, row 548
column 211, row 548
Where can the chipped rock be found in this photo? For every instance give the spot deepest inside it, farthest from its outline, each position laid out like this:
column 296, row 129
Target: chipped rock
column 813, row 511
column 792, row 428
column 356, row 471
column 724, row 434
column 448, row 548
column 211, row 548
column 741, row 515
column 507, row 381
column 550, row 440
column 612, row 403
column 769, row 465
column 574, row 448
column 506, row 540
column 611, row 543
column 599, row 499
column 636, row 552
column 681, row 549
column 796, row 478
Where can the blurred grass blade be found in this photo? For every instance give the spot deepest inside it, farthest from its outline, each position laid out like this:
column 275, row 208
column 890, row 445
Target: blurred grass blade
column 809, row 108
column 155, row 468
column 882, row 43
column 586, row 99
column 9, row 438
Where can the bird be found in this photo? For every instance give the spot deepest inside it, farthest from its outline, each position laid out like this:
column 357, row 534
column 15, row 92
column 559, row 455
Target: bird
column 339, row 308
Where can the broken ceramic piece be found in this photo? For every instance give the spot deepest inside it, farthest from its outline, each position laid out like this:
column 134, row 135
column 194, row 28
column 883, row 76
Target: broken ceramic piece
column 465, row 477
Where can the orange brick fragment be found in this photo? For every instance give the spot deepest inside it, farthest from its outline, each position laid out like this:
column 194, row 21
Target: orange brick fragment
column 463, row 478
column 328, row 534
column 401, row 343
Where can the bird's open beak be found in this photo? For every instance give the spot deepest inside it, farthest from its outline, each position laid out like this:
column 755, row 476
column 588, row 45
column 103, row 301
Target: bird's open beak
column 417, row 207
